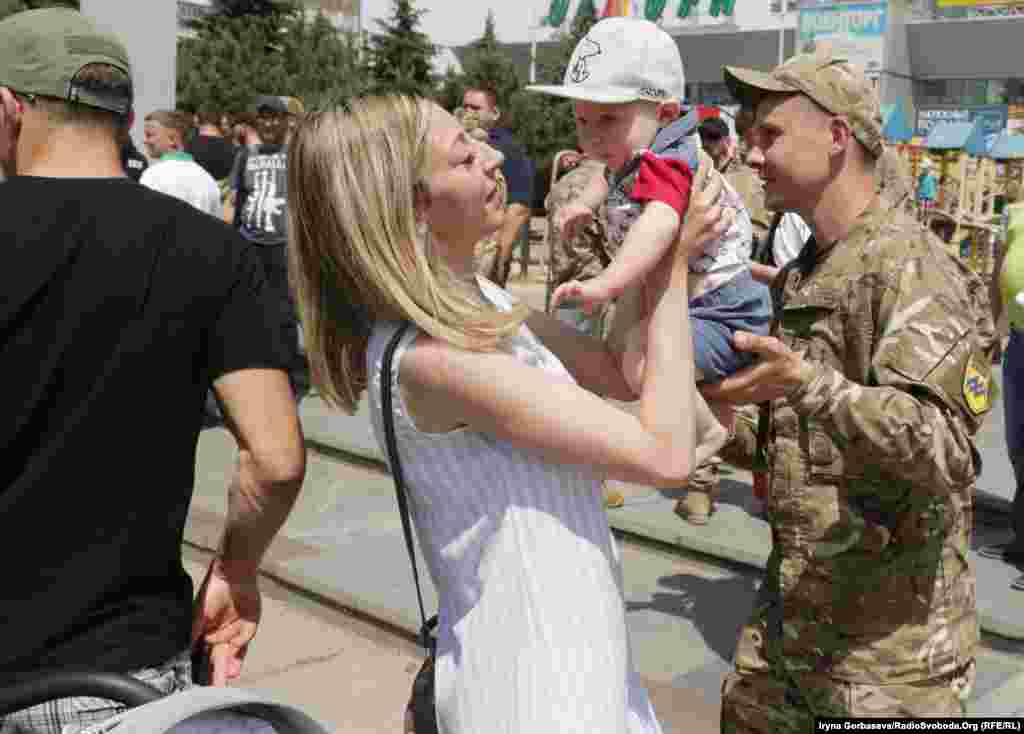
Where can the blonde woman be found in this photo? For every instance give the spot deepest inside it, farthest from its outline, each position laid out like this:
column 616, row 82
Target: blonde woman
column 501, row 433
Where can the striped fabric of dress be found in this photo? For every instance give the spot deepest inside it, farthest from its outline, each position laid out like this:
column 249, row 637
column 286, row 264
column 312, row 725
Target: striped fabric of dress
column 532, row 630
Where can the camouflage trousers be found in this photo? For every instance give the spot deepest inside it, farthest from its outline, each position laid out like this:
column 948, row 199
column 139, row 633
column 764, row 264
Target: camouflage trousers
column 760, row 703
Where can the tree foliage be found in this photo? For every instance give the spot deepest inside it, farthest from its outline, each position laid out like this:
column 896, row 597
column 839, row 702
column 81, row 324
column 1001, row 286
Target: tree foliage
column 546, row 124
column 264, row 8
column 486, row 66
column 234, row 58
column 10, row 7
column 399, row 57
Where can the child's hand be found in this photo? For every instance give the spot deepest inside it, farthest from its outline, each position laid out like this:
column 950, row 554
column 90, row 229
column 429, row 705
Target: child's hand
column 589, row 294
column 572, row 219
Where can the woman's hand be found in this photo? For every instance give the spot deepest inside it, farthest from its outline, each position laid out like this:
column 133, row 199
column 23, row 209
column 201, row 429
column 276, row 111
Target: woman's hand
column 704, row 221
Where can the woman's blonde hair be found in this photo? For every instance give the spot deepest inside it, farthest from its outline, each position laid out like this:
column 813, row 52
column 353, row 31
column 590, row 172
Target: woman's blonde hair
column 356, row 250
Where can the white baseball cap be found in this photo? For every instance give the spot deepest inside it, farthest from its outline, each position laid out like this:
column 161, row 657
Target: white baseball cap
column 622, row 60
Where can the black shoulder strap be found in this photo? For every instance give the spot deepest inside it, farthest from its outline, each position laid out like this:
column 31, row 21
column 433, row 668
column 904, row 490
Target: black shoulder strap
column 764, row 253
column 426, row 639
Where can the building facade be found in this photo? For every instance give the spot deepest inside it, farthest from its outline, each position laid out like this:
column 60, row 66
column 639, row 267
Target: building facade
column 936, row 59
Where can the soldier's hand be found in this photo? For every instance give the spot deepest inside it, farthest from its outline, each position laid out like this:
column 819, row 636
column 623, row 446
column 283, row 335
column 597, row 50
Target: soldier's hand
column 776, row 373
column 572, row 219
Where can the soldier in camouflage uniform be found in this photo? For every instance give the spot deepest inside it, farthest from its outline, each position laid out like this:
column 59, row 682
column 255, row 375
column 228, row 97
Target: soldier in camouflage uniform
column 580, row 257
column 892, row 178
column 876, row 377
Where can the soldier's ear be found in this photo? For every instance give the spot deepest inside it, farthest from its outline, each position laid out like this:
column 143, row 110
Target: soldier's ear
column 841, row 133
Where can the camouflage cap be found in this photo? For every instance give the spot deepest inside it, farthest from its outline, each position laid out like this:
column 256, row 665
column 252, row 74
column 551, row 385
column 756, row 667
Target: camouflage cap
column 44, row 51
column 833, row 82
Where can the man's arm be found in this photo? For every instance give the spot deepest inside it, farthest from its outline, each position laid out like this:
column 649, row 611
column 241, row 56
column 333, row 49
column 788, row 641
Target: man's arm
column 911, row 421
column 260, row 412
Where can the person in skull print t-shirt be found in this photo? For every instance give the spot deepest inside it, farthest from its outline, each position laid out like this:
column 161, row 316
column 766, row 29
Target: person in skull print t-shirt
column 259, row 184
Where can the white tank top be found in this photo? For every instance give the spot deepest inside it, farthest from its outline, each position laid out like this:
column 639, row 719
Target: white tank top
column 532, row 631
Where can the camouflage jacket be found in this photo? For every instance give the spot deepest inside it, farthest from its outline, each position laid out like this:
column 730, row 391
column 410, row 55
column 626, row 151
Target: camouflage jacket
column 871, row 461
column 892, row 179
column 587, row 254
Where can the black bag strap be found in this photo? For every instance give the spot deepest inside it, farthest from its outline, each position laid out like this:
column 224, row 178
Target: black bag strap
column 763, row 253
column 426, row 638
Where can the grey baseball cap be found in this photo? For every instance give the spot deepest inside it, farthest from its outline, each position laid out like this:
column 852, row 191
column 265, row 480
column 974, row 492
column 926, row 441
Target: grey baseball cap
column 43, row 52
column 622, row 60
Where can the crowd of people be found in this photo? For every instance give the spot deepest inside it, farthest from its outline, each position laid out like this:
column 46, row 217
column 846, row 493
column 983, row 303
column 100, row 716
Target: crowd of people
column 768, row 298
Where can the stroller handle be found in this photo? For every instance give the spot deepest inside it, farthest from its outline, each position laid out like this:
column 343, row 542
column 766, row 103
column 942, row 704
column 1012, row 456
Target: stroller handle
column 112, row 686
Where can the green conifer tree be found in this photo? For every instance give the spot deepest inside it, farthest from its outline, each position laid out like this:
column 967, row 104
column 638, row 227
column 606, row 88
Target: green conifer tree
column 488, row 67
column 399, row 57
column 233, row 58
column 546, row 124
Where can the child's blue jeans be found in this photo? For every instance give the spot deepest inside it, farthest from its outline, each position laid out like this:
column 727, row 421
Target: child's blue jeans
column 739, row 304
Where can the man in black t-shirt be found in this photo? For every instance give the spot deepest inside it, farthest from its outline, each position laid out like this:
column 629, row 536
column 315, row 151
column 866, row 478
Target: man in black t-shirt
column 259, row 199
column 121, row 306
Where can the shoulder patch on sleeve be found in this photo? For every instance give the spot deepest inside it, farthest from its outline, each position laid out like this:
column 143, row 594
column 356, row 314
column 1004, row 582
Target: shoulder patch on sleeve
column 977, row 386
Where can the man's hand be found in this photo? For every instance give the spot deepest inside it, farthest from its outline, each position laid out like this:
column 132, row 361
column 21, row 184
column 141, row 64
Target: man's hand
column 227, row 612
column 777, row 372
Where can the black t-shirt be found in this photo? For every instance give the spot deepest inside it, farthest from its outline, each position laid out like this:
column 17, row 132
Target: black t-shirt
column 120, row 306
column 216, row 155
column 260, row 178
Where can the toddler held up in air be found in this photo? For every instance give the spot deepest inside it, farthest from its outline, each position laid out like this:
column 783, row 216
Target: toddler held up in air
column 626, row 77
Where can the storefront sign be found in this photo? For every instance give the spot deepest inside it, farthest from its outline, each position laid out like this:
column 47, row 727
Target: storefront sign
column 854, row 30
column 994, row 118
column 1015, row 119
column 975, row 3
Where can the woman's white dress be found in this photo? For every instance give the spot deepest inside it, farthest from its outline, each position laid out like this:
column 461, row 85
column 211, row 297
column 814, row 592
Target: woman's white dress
column 532, row 630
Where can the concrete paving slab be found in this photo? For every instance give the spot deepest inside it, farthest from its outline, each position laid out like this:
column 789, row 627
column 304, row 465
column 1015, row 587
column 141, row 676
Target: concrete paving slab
column 683, row 612
column 1000, row 608
column 337, row 429
column 996, row 485
column 733, row 532
column 353, row 678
